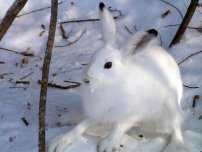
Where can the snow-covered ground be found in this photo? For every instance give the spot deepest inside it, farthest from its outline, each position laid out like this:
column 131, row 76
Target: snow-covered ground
column 19, row 102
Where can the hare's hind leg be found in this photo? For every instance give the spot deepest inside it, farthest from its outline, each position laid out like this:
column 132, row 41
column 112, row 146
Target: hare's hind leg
column 113, row 140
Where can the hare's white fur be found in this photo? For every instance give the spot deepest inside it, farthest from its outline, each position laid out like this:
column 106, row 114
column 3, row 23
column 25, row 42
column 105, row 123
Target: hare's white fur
column 143, row 87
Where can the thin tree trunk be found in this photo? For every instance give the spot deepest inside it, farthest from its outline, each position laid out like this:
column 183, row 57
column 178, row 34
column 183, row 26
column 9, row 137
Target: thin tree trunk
column 10, row 16
column 185, row 22
column 45, row 73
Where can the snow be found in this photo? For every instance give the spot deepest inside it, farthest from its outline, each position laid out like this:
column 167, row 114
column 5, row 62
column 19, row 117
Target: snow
column 19, row 101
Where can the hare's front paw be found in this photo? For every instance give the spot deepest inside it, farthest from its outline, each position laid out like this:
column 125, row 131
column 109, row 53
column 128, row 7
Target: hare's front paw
column 108, row 145
column 60, row 143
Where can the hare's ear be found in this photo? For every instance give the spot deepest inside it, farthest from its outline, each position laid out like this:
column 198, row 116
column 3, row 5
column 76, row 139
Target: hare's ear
column 138, row 41
column 108, row 25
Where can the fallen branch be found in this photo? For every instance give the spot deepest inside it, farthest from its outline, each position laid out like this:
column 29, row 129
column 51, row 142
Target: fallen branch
column 10, row 16
column 53, row 85
column 41, row 9
column 173, row 7
column 62, row 32
column 190, row 87
column 196, row 98
column 199, row 29
column 41, row 33
column 25, row 121
column 22, row 82
column 6, row 74
column 21, row 53
column 2, row 62
column 165, row 14
column 189, row 57
column 45, row 73
column 115, row 10
column 127, row 29
column 70, row 43
column 86, row 20
column 161, row 42
column 185, row 22
column 71, row 81
column 18, row 88
column 26, row 76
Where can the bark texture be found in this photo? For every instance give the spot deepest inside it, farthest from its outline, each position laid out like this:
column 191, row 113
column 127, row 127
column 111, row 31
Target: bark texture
column 185, row 22
column 10, row 16
column 45, row 73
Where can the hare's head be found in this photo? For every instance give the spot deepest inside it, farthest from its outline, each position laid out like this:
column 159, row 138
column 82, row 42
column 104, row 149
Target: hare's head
column 107, row 66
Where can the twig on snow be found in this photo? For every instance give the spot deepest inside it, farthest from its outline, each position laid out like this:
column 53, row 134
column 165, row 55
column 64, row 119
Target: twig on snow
column 70, row 43
column 199, row 29
column 62, row 32
column 173, row 7
column 71, row 81
column 11, row 14
column 185, row 22
column 25, row 121
column 127, row 29
column 165, row 14
column 6, row 74
column 22, row 82
column 115, row 10
column 190, row 87
column 135, row 28
column 161, row 42
column 26, row 75
column 2, row 62
column 189, row 57
column 21, row 53
column 53, row 85
column 41, row 9
column 86, row 20
column 195, row 99
column 18, row 88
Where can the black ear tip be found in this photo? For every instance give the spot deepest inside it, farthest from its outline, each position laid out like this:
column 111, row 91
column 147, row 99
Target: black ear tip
column 153, row 31
column 101, row 6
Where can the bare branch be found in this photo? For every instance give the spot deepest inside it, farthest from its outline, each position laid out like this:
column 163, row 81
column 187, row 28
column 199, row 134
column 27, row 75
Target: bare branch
column 53, row 85
column 190, row 87
column 189, row 57
column 199, row 29
column 45, row 73
column 62, row 32
column 196, row 98
column 173, row 7
column 127, row 29
column 10, row 16
column 165, row 14
column 22, row 82
column 21, row 53
column 26, row 75
column 185, row 22
column 41, row 9
column 70, row 43
column 87, row 20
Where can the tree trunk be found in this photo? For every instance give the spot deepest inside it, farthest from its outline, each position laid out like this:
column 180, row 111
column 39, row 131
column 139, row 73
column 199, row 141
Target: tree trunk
column 45, row 73
column 185, row 22
column 10, row 16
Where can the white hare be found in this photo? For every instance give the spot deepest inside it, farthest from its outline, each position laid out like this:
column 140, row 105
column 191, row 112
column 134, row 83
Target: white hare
column 136, row 84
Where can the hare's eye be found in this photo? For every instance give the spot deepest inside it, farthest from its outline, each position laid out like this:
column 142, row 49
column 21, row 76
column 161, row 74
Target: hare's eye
column 108, row 65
